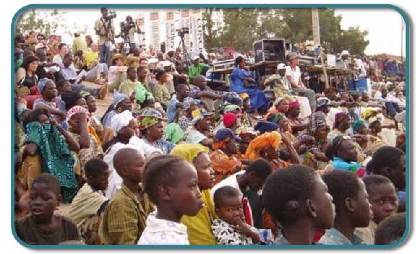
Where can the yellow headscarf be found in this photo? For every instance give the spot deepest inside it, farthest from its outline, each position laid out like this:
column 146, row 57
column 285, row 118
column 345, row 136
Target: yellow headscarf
column 188, row 151
column 272, row 139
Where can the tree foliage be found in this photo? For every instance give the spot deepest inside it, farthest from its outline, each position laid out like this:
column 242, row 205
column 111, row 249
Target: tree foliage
column 244, row 26
column 35, row 21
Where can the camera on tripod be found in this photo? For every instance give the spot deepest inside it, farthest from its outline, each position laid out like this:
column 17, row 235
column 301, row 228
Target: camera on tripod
column 111, row 15
column 183, row 31
column 126, row 27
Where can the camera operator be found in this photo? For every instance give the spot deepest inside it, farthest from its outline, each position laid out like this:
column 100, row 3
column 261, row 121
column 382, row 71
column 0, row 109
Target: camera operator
column 105, row 29
column 128, row 29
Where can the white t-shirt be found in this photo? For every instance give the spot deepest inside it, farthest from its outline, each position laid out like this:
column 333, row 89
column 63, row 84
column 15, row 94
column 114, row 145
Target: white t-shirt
column 228, row 181
column 163, row 232
column 294, row 74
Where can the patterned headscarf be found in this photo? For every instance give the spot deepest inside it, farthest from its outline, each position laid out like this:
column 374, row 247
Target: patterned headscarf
column 148, row 121
column 75, row 110
column 42, row 83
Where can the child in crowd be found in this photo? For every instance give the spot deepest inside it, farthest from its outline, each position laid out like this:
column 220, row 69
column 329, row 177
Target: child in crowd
column 384, row 200
column 298, row 199
column 391, row 229
column 230, row 228
column 87, row 207
column 352, row 207
column 172, row 185
column 125, row 217
column 390, row 162
column 42, row 226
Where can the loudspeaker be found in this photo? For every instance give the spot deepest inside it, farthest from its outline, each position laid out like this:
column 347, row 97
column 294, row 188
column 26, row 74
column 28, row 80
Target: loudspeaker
column 270, row 50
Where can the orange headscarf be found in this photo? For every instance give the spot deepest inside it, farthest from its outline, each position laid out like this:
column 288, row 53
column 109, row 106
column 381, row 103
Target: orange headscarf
column 272, row 139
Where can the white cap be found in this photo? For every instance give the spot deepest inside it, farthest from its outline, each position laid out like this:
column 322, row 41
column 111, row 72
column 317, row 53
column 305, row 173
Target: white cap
column 281, row 66
column 195, row 58
column 345, row 53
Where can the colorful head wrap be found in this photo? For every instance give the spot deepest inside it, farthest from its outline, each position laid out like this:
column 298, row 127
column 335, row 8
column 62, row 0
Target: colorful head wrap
column 189, row 151
column 229, row 119
column 75, row 110
column 272, row 139
column 357, row 125
column 294, row 105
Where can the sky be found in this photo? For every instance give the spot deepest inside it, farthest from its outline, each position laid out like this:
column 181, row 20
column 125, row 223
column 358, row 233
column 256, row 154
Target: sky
column 384, row 26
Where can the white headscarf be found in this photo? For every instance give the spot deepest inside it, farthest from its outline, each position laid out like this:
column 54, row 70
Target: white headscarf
column 121, row 120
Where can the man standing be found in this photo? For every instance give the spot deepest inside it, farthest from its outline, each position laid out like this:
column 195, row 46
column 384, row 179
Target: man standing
column 105, row 30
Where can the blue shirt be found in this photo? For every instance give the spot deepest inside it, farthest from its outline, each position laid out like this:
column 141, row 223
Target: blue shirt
column 334, row 237
column 171, row 109
column 237, row 77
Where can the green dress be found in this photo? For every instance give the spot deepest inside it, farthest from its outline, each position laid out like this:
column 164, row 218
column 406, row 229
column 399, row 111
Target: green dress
column 57, row 159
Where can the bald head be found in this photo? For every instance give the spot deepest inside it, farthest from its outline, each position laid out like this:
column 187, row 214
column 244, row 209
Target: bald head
column 125, row 161
column 200, row 81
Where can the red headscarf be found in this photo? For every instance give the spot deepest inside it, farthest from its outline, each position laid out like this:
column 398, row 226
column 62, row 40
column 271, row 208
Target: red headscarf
column 293, row 105
column 229, row 119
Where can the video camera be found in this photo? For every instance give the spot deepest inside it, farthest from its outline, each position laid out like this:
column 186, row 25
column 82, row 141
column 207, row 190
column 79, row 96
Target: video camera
column 111, row 15
column 125, row 27
column 183, row 31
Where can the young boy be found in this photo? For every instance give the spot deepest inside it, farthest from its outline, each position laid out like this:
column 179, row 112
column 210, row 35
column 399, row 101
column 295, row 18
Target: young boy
column 172, row 185
column 299, row 201
column 125, row 217
column 230, row 228
column 390, row 162
column 391, row 229
column 352, row 207
column 42, row 226
column 384, row 200
column 87, row 207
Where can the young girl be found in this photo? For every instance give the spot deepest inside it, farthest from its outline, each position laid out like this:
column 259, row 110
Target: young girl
column 172, row 185
column 42, row 226
column 298, row 200
column 352, row 207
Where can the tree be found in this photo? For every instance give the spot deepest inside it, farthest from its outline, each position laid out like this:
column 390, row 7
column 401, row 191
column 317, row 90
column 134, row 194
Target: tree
column 34, row 21
column 244, row 26
column 353, row 40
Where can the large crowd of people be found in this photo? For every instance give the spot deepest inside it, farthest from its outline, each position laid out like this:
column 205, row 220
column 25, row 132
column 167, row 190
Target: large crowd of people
column 172, row 159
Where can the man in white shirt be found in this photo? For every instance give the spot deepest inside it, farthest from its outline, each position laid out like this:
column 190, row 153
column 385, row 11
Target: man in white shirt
column 293, row 76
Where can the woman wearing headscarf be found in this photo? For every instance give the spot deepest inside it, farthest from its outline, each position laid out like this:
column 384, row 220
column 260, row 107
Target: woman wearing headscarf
column 375, row 141
column 199, row 226
column 120, row 103
column 124, row 125
column 78, row 118
column 151, row 128
column 242, row 82
column 296, row 122
column 223, row 157
column 54, row 145
column 267, row 146
column 49, row 99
